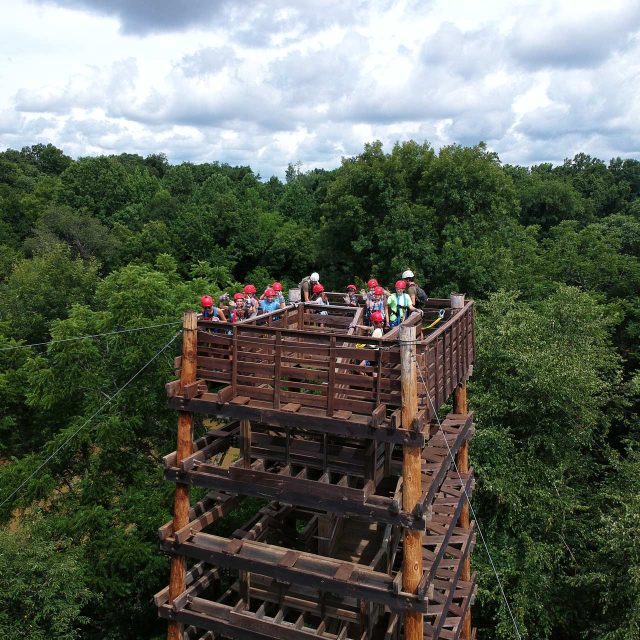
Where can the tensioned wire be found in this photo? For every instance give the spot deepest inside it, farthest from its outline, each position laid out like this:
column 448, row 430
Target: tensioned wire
column 93, row 335
column 464, row 489
column 89, row 419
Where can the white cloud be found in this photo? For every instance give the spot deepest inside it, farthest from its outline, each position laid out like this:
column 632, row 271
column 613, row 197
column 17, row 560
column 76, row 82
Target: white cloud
column 267, row 83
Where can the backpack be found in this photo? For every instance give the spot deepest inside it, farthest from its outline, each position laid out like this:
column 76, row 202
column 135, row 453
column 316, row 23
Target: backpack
column 421, row 297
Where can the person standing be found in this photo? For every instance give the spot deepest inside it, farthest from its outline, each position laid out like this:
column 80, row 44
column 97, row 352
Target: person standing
column 417, row 295
column 399, row 304
column 307, row 284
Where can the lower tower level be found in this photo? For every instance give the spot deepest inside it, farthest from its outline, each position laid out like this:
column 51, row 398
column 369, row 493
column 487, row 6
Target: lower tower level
column 326, row 503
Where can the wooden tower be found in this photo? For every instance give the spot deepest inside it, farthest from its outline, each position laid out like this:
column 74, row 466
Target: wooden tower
column 361, row 528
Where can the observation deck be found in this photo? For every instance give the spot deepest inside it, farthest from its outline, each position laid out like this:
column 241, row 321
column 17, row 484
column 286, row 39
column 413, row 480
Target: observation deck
column 297, row 367
column 314, row 438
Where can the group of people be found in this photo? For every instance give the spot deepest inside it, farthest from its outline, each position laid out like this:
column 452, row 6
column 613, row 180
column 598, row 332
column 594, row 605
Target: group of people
column 382, row 308
column 243, row 305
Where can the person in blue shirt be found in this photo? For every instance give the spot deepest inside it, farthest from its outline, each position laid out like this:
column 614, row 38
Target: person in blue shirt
column 270, row 302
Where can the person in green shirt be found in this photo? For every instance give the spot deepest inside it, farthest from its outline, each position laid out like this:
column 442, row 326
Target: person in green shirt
column 398, row 305
column 306, row 286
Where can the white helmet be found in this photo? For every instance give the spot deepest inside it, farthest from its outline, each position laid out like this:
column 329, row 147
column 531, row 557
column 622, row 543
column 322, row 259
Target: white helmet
column 408, row 274
column 314, row 277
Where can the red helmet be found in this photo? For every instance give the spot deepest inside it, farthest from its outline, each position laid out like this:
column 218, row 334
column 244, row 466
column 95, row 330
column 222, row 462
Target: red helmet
column 351, row 287
column 269, row 293
column 372, row 283
column 238, row 296
column 249, row 289
column 378, row 291
column 376, row 316
column 318, row 288
column 276, row 286
column 206, row 301
column 401, row 284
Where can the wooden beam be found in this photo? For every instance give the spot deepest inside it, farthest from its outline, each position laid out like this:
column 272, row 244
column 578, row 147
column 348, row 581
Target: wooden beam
column 411, row 480
column 310, row 570
column 184, row 447
column 462, row 462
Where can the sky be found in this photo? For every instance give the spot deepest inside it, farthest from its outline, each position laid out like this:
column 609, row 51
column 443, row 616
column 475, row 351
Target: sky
column 268, row 83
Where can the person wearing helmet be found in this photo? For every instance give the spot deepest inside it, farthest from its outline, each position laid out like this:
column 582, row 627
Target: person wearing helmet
column 320, row 298
column 269, row 303
column 398, row 304
column 306, row 286
column 277, row 287
column 377, row 302
column 320, row 295
column 417, row 295
column 238, row 312
column 376, row 329
column 250, row 302
column 210, row 311
column 351, row 297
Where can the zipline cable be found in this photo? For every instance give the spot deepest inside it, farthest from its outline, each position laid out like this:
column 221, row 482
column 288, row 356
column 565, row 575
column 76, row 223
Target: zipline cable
column 466, row 495
column 89, row 419
column 94, row 335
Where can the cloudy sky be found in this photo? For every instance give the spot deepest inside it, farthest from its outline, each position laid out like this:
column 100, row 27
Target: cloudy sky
column 266, row 83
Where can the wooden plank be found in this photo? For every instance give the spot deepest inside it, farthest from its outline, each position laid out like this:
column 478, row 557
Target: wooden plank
column 172, row 388
column 234, row 364
column 310, row 570
column 356, row 426
column 276, row 371
column 331, row 391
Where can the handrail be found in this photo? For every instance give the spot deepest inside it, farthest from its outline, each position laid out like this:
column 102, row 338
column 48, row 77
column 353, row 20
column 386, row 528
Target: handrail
column 331, row 363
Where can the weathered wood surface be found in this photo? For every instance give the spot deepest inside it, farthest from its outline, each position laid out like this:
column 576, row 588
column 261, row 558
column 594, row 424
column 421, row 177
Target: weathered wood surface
column 343, row 423
column 347, row 579
column 324, row 405
column 279, row 365
column 183, row 450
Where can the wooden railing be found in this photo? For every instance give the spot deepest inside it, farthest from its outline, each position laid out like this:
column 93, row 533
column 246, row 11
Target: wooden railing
column 301, row 357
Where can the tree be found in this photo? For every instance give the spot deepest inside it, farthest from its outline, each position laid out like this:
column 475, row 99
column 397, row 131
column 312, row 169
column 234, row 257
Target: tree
column 43, row 588
column 98, row 185
column 547, row 377
column 43, row 288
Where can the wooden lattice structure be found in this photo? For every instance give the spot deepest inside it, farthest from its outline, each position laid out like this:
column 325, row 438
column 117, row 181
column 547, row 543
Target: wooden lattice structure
column 330, row 426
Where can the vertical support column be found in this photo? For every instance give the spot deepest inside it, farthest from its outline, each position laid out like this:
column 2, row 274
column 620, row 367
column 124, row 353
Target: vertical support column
column 184, row 448
column 411, row 480
column 244, row 577
column 462, row 462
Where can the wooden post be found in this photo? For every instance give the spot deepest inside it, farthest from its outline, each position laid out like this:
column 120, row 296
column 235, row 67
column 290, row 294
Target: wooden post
column 244, row 577
column 411, row 479
column 462, row 462
column 184, row 448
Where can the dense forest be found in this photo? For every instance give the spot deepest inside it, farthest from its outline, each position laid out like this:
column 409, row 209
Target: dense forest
column 100, row 245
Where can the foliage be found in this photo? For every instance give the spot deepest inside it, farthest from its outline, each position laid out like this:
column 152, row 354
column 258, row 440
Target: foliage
column 102, row 245
column 43, row 588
